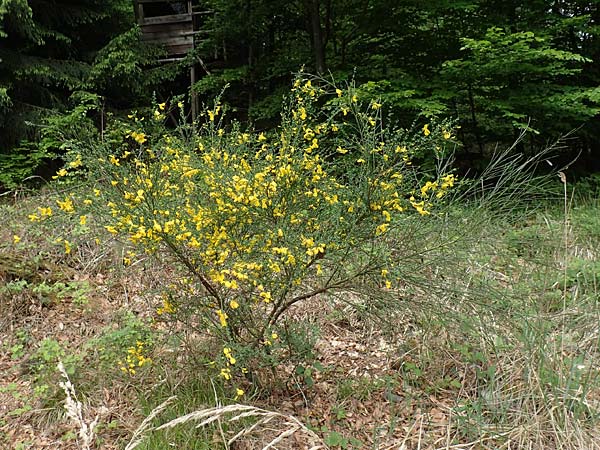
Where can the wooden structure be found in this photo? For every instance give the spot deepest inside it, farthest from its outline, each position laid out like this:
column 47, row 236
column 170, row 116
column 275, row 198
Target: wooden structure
column 167, row 22
column 173, row 24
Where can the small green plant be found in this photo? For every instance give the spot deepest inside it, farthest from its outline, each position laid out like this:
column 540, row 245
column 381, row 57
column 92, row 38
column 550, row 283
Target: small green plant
column 306, row 373
column 49, row 292
column 124, row 346
column 337, row 440
column 17, row 350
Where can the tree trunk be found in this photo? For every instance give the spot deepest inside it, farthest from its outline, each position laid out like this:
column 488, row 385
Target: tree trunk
column 317, row 35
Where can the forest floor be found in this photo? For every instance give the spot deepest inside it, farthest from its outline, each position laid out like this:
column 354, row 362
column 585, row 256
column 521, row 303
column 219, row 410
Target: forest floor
column 515, row 365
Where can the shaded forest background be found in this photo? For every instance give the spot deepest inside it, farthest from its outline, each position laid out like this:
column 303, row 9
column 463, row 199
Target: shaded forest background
column 496, row 68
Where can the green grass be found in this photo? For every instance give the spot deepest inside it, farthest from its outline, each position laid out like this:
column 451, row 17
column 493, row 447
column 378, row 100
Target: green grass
column 192, row 395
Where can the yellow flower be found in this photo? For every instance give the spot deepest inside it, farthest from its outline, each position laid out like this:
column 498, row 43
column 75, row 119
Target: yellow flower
column 447, row 134
column 162, row 106
column 266, row 296
column 239, row 393
column 82, row 220
column 222, row 317
column 67, row 246
column 426, row 130
column 16, row 239
column 338, row 92
column 166, row 308
column 302, row 112
column 140, row 138
column 429, row 186
column 111, row 229
column 375, row 105
column 66, row 205
column 45, row 212
column 234, row 305
column 381, row 229
column 448, row 181
column 61, row 173
column 228, row 355
column 354, row 99
column 419, row 206
column 76, row 163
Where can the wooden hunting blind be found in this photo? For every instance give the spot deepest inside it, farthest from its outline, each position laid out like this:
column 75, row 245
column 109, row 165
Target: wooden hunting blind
column 172, row 24
column 167, row 22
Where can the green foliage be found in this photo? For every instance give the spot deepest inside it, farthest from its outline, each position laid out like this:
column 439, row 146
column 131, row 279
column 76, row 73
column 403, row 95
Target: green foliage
column 21, row 164
column 63, row 63
column 496, row 69
column 121, row 67
column 515, row 81
column 58, row 134
column 113, row 344
column 336, row 440
column 521, row 66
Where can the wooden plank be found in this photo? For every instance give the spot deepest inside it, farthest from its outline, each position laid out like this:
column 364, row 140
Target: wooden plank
column 165, row 35
column 168, row 28
column 166, row 32
column 173, row 41
column 173, row 18
column 178, row 49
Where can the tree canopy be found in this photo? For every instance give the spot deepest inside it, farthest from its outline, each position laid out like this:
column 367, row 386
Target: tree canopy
column 495, row 68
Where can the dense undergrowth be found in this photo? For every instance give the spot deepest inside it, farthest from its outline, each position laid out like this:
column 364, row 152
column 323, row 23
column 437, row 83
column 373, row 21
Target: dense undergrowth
column 316, row 272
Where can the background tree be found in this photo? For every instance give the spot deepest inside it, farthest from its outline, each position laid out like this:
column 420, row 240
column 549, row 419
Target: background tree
column 57, row 55
column 496, row 68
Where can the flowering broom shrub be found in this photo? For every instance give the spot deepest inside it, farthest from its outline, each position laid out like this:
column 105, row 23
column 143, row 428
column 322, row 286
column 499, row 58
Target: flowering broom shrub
column 255, row 223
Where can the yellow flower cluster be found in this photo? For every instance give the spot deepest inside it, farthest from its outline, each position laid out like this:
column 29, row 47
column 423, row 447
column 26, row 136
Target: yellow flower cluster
column 226, row 372
column 135, row 359
column 140, row 138
column 166, row 308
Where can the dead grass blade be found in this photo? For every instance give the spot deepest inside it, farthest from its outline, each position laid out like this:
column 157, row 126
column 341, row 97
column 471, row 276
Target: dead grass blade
column 144, row 428
column 289, row 427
